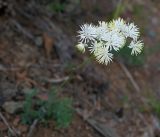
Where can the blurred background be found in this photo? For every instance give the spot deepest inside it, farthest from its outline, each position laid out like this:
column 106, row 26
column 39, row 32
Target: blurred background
column 49, row 89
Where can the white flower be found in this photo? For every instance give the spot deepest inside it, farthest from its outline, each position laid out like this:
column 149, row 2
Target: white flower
column 106, row 37
column 118, row 41
column 101, row 29
column 128, row 30
column 118, row 24
column 114, row 40
column 103, row 24
column 87, row 33
column 81, row 47
column 136, row 47
column 94, row 46
column 131, row 30
column 103, row 56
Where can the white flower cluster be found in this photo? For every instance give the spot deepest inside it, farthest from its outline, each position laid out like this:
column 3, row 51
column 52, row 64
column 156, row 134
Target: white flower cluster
column 103, row 39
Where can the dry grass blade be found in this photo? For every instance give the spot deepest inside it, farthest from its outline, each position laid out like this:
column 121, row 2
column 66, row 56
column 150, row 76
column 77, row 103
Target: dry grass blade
column 32, row 128
column 56, row 81
column 13, row 133
column 104, row 130
column 129, row 76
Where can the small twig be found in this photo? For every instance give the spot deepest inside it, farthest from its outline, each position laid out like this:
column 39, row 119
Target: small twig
column 56, row 81
column 104, row 130
column 129, row 76
column 100, row 128
column 7, row 124
column 31, row 130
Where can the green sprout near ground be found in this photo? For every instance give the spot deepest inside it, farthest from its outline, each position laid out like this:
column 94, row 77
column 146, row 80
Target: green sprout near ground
column 59, row 109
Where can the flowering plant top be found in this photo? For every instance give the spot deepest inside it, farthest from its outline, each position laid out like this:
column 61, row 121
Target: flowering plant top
column 106, row 37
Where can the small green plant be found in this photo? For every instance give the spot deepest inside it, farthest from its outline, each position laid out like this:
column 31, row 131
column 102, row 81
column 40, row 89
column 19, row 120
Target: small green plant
column 62, row 112
column 59, row 109
column 29, row 113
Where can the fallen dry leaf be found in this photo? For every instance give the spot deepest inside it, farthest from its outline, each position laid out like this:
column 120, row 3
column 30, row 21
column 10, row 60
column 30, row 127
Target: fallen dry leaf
column 48, row 44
